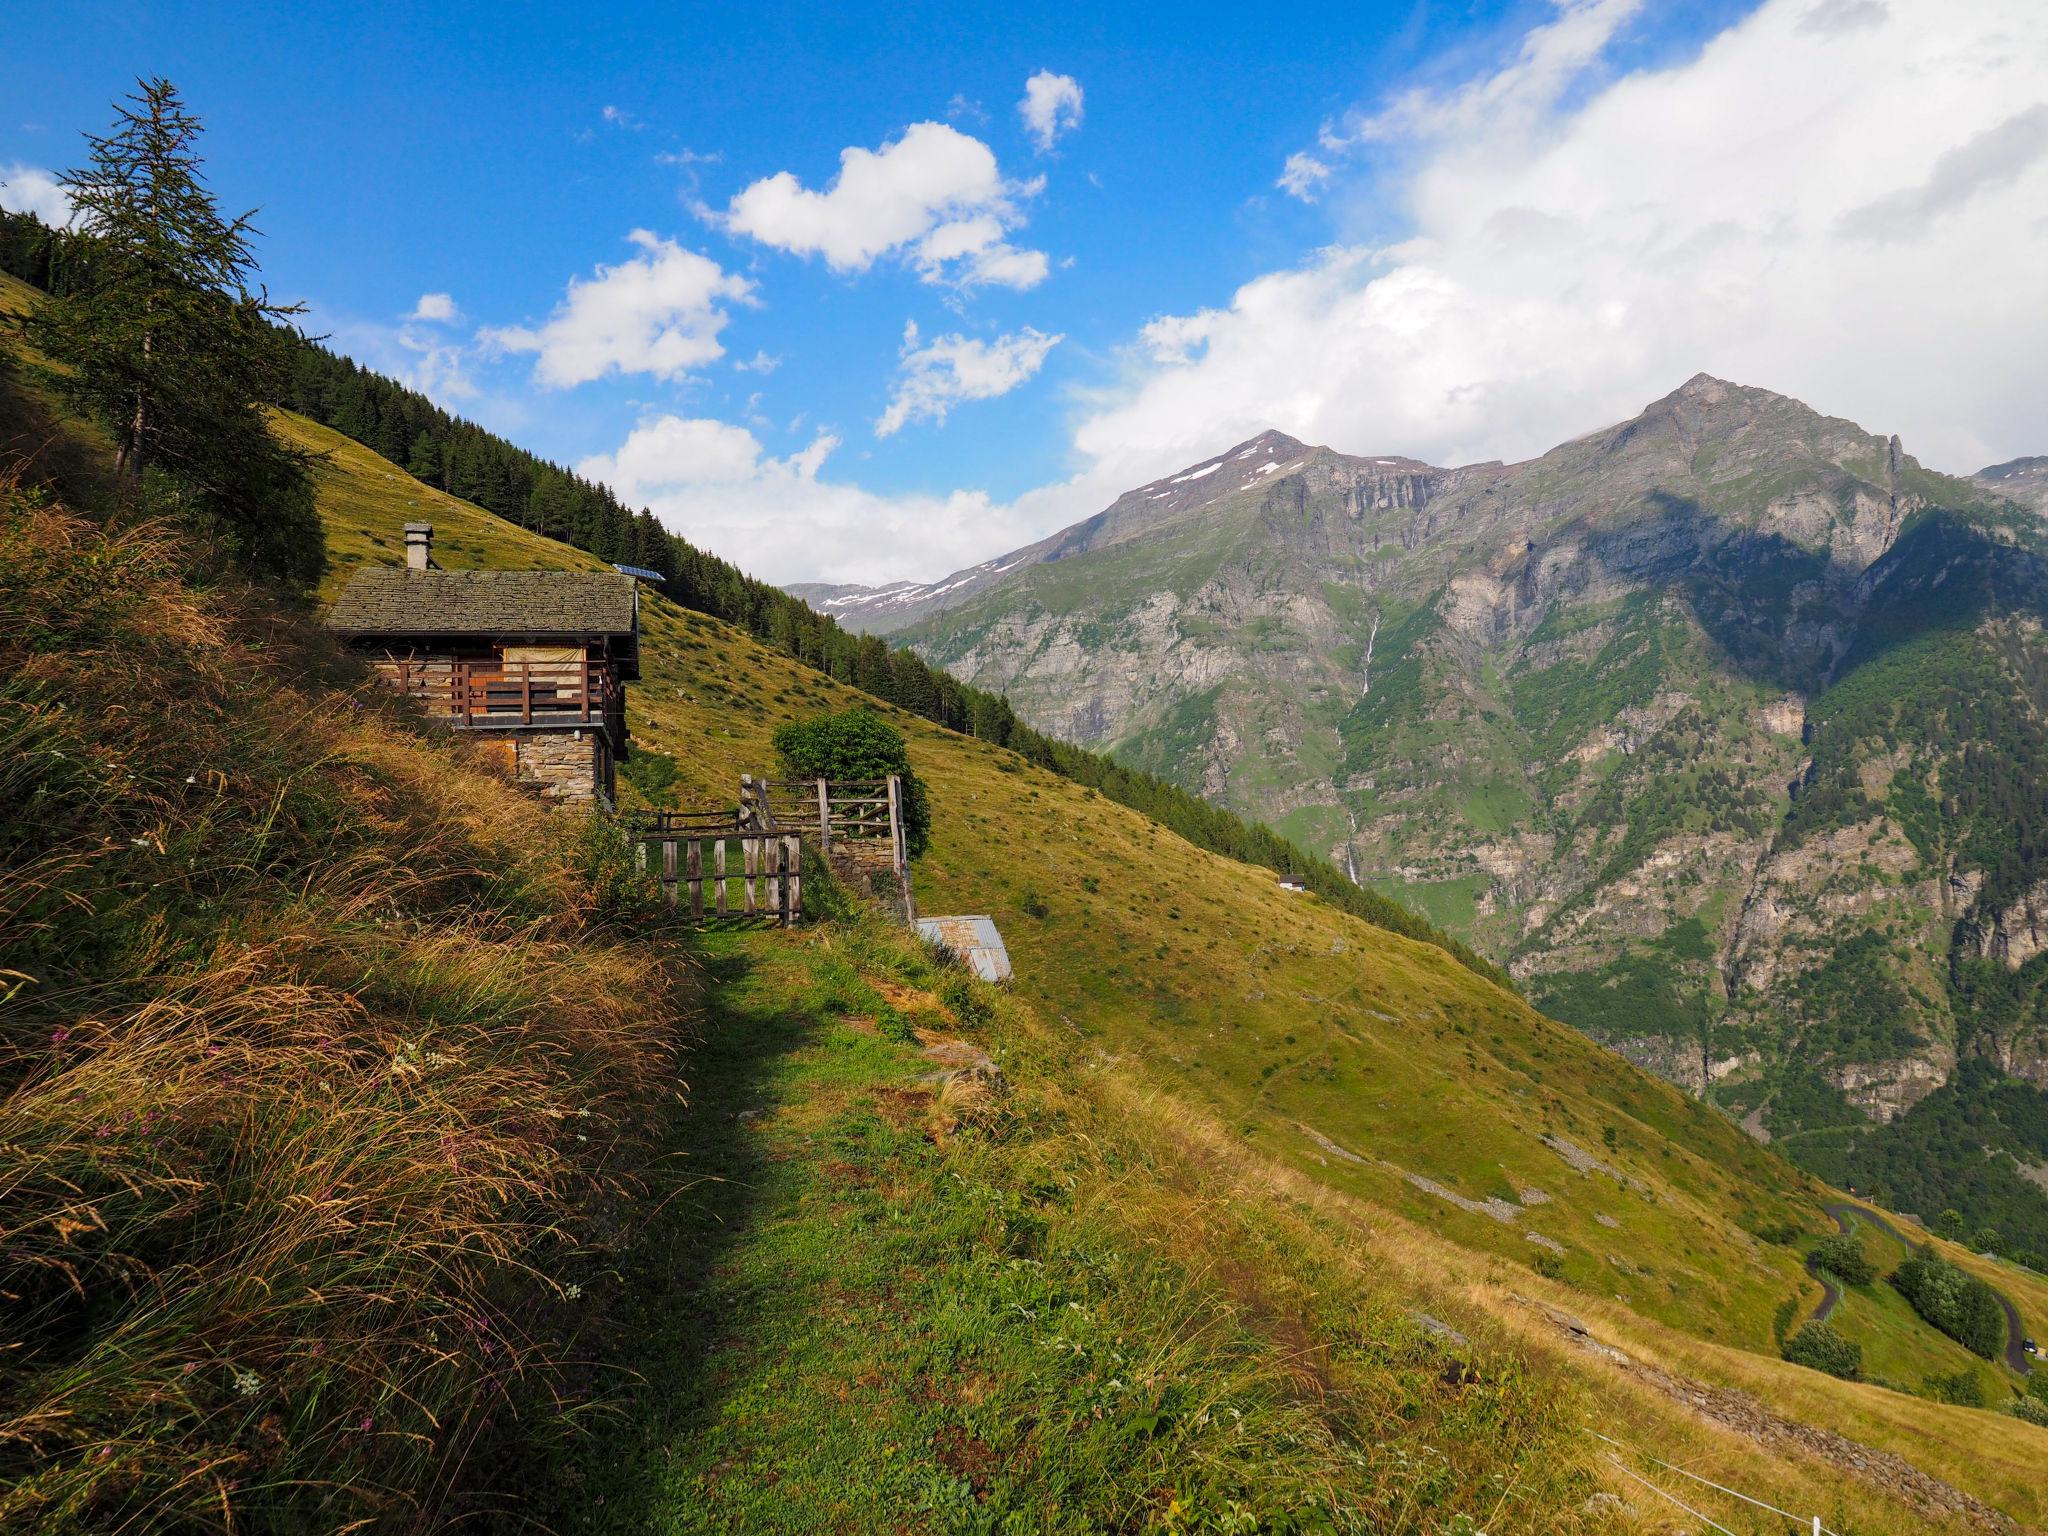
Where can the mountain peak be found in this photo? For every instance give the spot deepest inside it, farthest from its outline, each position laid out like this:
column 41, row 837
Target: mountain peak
column 1705, row 388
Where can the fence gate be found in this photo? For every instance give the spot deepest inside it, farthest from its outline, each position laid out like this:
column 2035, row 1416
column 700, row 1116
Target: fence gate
column 724, row 869
column 855, row 822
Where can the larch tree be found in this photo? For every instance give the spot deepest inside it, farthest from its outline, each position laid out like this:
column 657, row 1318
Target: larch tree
column 167, row 340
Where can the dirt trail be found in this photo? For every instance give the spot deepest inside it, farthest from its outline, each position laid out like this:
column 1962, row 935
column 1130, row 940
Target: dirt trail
column 1742, row 1413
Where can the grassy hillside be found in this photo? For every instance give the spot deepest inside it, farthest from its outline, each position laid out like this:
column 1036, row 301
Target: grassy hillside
column 325, row 1057
column 1322, row 1061
column 1189, row 1267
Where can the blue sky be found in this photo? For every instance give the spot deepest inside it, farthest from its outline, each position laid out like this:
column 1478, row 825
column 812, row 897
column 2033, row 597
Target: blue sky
column 1221, row 220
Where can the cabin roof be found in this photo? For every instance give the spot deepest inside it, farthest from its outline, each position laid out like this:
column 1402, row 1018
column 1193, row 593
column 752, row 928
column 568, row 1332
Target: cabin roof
column 390, row 600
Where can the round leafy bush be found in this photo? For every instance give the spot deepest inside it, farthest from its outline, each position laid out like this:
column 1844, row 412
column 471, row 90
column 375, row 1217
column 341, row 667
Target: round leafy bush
column 1818, row 1347
column 857, row 743
column 1843, row 1257
column 1956, row 1302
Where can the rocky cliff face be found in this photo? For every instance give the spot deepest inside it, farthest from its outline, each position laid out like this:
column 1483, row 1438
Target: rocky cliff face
column 1668, row 720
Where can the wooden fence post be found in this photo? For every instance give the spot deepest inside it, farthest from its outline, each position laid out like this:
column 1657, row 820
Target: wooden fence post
column 825, row 820
column 695, row 869
column 718, row 868
column 899, row 849
column 749, row 849
column 668, row 871
column 792, row 855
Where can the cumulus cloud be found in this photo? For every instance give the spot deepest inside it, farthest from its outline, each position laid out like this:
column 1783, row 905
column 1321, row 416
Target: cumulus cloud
column 659, row 313
column 935, row 377
column 1051, row 106
column 716, row 485
column 933, row 195
column 436, row 309
column 1997, row 157
column 1302, row 176
column 1581, row 241
column 30, row 189
column 1829, row 198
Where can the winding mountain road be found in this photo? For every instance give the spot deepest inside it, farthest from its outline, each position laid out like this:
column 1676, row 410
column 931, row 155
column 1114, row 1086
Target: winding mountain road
column 1841, row 1211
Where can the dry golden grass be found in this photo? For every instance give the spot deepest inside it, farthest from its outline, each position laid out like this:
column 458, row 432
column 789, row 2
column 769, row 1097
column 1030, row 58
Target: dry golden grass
column 322, row 1054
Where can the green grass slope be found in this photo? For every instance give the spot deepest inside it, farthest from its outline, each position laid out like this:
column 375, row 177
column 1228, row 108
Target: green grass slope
column 1368, row 1075
column 1171, row 1276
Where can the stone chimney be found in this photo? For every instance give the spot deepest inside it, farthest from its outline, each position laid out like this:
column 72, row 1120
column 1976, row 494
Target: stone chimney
column 419, row 546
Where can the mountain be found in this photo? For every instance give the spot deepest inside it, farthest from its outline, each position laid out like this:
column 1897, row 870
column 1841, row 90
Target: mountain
column 1252, row 1200
column 1723, row 727
column 2024, row 480
column 1249, row 1146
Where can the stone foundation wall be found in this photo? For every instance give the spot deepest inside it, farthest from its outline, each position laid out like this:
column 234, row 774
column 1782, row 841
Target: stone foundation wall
column 571, row 766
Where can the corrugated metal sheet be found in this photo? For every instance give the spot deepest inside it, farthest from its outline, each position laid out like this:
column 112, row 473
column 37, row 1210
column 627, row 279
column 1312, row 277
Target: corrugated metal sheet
column 974, row 940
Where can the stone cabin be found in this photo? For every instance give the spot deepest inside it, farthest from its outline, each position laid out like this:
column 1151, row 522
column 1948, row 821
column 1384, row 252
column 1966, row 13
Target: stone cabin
column 530, row 664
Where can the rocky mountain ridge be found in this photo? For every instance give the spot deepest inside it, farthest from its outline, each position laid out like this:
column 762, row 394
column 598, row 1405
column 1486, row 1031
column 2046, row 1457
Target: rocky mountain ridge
column 1671, row 719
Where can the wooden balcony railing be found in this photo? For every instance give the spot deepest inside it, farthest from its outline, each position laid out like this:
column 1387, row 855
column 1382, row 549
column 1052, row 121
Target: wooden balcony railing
column 502, row 693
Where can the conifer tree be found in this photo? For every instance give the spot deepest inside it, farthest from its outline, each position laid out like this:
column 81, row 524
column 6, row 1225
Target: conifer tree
column 167, row 341
column 424, row 462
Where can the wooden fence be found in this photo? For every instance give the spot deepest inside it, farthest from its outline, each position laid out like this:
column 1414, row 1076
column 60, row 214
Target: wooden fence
column 692, row 855
column 857, row 824
column 854, row 822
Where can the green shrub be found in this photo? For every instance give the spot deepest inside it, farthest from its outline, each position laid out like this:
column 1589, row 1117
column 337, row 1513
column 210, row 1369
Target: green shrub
column 1959, row 1304
column 1965, row 1388
column 965, row 1000
column 1843, row 1257
column 1818, row 1347
column 1781, row 1320
column 857, row 743
column 2031, row 1409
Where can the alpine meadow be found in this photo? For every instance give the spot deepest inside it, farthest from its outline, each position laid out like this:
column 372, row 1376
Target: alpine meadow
column 953, row 772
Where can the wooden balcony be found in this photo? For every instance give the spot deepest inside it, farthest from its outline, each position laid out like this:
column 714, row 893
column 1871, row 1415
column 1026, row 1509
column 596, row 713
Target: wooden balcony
column 502, row 695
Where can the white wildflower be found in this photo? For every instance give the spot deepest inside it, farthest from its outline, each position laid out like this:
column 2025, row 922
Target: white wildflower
column 248, row 1383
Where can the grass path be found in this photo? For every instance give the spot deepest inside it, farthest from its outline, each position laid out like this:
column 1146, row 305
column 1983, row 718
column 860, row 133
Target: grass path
column 881, row 1303
column 771, row 1270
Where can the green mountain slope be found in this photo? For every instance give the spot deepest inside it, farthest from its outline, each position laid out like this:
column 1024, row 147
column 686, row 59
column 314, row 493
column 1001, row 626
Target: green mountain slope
column 1254, row 1157
column 1299, row 1055
column 1719, row 727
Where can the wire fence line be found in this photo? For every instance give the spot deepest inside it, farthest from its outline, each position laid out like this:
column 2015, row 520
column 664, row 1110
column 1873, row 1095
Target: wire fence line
column 1804, row 1522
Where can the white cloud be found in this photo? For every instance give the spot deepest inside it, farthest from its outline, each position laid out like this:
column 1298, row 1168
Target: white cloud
column 713, row 483
column 763, row 362
column 659, row 313
column 934, row 195
column 29, row 189
column 1552, row 59
column 436, row 309
column 419, row 357
column 1582, row 242
column 619, row 117
column 1051, row 106
column 1302, row 175
column 943, row 372
column 1839, row 199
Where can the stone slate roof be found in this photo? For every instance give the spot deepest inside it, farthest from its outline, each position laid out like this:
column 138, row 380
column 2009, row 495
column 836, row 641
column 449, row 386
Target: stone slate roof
column 390, row 600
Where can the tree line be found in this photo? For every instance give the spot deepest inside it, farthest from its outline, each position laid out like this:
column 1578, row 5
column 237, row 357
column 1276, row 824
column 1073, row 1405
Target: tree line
column 273, row 519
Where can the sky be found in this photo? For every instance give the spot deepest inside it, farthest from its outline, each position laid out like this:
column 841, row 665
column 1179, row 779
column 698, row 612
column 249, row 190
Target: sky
column 866, row 293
